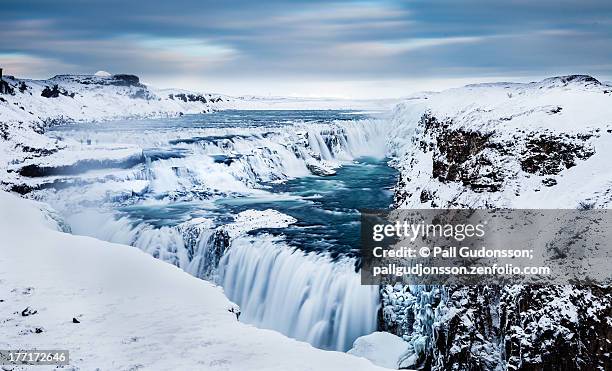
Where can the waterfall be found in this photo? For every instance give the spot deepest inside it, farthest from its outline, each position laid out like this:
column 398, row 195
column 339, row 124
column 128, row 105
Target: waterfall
column 305, row 296
column 165, row 243
column 364, row 138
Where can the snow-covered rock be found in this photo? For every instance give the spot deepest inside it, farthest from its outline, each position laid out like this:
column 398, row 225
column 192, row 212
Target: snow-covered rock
column 30, row 106
column 250, row 220
column 133, row 311
column 321, row 168
column 382, row 348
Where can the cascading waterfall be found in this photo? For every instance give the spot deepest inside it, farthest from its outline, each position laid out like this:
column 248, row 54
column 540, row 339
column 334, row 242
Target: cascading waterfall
column 305, row 296
column 165, row 243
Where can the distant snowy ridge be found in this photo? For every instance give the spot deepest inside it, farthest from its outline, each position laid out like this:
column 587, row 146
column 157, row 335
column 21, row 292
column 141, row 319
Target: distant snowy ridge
column 306, row 103
column 102, row 97
column 95, row 98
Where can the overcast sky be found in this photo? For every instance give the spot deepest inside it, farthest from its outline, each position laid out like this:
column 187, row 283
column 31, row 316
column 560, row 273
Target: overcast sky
column 308, row 48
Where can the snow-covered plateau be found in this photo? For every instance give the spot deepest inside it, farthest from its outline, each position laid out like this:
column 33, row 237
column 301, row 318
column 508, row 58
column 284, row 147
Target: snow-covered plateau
column 236, row 199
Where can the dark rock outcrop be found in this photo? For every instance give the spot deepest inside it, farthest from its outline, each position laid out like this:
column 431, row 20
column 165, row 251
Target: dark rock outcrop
column 6, row 88
column 549, row 154
column 125, row 80
column 55, row 91
column 530, row 328
column 28, row 312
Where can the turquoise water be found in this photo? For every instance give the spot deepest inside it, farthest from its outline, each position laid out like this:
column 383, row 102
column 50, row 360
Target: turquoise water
column 327, row 208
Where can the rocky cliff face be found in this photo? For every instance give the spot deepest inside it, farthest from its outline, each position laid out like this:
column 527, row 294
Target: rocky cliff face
column 537, row 145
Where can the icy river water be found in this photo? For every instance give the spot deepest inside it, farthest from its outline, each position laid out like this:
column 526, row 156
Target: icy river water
column 168, row 186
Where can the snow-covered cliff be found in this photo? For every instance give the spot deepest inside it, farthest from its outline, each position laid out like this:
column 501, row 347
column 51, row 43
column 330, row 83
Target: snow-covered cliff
column 539, row 145
column 536, row 145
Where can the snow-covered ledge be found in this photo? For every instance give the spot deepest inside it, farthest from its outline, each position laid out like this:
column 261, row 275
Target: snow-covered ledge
column 115, row 307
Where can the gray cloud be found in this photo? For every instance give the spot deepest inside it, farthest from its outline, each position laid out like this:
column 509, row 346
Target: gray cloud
column 284, row 46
